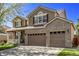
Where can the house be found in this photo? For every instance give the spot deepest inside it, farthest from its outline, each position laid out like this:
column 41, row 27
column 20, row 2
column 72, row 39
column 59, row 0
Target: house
column 42, row 27
column 3, row 35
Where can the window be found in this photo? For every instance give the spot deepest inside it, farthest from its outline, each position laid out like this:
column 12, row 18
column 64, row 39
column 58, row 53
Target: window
column 63, row 31
column 40, row 18
column 68, row 30
column 18, row 24
column 59, row 32
column 54, row 32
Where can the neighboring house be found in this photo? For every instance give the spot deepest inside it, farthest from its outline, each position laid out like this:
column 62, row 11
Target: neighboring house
column 3, row 28
column 42, row 27
column 3, row 34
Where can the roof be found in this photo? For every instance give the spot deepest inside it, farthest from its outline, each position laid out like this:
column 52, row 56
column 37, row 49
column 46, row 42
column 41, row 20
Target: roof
column 22, row 18
column 5, row 26
column 43, row 7
column 31, row 27
column 23, row 28
column 58, row 12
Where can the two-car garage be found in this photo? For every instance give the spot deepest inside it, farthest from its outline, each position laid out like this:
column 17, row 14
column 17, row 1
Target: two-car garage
column 57, row 39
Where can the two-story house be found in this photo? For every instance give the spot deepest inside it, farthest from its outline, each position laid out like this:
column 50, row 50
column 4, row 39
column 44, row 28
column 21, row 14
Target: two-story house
column 42, row 27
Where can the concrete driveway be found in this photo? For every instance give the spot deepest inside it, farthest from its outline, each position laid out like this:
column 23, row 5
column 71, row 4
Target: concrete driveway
column 31, row 51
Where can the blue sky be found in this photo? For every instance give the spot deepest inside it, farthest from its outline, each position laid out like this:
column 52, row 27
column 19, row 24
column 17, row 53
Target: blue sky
column 72, row 9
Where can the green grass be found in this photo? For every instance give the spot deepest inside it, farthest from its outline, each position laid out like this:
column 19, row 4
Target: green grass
column 6, row 46
column 69, row 52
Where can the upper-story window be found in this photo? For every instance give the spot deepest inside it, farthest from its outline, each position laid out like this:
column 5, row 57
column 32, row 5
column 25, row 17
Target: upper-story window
column 40, row 18
column 18, row 23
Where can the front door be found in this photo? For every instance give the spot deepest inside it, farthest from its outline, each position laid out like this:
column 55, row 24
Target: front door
column 22, row 41
column 20, row 37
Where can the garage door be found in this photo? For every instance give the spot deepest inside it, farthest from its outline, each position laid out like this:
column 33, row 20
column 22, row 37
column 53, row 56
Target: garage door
column 57, row 39
column 37, row 39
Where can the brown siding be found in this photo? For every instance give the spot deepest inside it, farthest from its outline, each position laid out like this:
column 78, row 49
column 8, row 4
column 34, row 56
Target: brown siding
column 23, row 24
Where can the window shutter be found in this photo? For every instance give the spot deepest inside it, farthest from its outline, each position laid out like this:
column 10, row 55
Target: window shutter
column 21, row 23
column 33, row 20
column 14, row 24
column 47, row 17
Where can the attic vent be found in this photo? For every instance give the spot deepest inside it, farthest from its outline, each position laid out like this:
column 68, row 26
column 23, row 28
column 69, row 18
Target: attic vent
column 40, row 12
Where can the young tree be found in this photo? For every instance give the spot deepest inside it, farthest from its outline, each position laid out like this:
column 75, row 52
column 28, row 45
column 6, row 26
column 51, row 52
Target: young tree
column 8, row 10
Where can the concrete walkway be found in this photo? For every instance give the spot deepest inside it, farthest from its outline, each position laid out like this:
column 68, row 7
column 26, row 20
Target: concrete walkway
column 31, row 51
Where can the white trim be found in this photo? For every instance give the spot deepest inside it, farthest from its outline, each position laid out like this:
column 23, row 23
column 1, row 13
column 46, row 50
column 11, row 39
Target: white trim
column 40, row 23
column 17, row 24
column 40, row 15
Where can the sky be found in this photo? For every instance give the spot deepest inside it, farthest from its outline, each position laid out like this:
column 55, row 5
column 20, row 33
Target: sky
column 72, row 9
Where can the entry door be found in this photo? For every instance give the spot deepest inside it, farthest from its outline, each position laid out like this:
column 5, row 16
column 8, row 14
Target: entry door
column 22, row 39
column 18, row 36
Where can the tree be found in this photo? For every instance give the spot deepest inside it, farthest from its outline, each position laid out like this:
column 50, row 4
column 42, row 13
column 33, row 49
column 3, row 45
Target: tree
column 8, row 10
column 77, row 27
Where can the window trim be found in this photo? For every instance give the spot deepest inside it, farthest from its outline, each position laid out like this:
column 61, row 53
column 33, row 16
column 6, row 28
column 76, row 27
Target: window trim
column 40, row 15
column 17, row 24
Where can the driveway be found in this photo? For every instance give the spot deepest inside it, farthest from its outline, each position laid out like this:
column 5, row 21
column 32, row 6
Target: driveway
column 31, row 51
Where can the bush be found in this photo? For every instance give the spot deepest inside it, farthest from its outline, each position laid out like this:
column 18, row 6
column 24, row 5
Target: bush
column 7, row 46
column 69, row 52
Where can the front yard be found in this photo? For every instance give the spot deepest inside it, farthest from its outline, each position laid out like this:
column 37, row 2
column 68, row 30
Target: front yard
column 69, row 52
column 36, row 51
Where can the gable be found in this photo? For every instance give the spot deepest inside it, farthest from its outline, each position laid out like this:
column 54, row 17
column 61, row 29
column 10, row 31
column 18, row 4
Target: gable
column 31, row 16
column 17, row 19
column 59, row 23
column 40, row 8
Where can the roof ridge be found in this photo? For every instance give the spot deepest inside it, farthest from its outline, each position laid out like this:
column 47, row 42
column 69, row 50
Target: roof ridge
column 50, row 9
column 41, row 6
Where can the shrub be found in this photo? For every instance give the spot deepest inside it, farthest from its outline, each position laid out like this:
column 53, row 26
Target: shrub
column 7, row 46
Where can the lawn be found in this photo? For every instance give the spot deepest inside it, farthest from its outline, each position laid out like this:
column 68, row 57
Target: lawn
column 6, row 46
column 69, row 52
